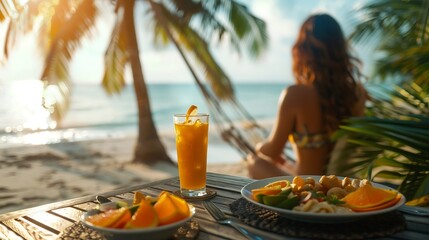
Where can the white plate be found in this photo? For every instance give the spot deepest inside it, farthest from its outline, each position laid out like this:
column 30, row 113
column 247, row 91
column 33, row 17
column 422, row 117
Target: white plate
column 246, row 192
column 156, row 233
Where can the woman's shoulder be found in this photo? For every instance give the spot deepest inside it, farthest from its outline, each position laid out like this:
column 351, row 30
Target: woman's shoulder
column 299, row 91
column 293, row 95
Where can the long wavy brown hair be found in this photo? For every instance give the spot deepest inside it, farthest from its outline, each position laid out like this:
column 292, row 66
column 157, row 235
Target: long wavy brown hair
column 321, row 58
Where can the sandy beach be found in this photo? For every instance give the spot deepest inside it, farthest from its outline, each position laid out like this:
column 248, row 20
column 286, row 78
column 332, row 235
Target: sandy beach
column 38, row 174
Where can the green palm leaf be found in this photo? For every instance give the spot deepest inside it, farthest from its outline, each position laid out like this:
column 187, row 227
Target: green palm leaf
column 415, row 184
column 248, row 28
column 391, row 143
column 225, row 18
column 396, row 149
column 244, row 27
column 400, row 28
column 165, row 22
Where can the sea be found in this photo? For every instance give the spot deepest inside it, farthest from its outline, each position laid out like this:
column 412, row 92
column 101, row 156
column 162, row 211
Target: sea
column 93, row 114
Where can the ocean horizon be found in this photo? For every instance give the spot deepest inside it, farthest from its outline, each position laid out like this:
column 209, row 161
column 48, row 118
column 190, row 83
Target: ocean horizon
column 94, row 115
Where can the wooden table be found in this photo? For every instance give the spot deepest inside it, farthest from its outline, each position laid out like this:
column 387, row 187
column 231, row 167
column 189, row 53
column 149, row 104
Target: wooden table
column 47, row 221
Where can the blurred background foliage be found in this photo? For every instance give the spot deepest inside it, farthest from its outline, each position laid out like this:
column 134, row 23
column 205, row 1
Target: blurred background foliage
column 390, row 144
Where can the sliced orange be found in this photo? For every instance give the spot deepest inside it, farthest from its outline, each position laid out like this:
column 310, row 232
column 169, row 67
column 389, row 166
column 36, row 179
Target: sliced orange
column 144, row 217
column 192, row 110
column 368, row 196
column 298, row 181
column 181, row 205
column 281, row 183
column 381, row 206
column 138, row 197
column 274, row 190
column 122, row 221
column 108, row 218
column 171, row 208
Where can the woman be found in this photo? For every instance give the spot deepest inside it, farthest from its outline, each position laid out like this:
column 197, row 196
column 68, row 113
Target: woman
column 326, row 91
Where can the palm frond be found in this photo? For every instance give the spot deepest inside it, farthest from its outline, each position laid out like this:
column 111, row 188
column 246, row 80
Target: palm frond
column 409, row 61
column 248, row 28
column 205, row 20
column 388, row 19
column 241, row 24
column 193, row 43
column 54, row 15
column 20, row 24
column 415, row 184
column 115, row 58
column 395, row 154
column 400, row 28
column 220, row 18
column 8, row 8
column 56, row 72
column 408, row 100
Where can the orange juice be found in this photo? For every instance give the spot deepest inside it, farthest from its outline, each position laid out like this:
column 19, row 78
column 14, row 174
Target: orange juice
column 191, row 144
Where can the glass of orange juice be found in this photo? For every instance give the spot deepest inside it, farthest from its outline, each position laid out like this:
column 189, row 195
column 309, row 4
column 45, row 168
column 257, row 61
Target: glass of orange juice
column 191, row 144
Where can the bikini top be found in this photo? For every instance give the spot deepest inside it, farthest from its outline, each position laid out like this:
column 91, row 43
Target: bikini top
column 307, row 140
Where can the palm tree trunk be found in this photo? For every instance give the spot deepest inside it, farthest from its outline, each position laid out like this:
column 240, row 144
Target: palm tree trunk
column 149, row 148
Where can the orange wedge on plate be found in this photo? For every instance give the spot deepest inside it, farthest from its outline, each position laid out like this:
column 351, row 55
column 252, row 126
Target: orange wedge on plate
column 138, row 197
column 381, row 206
column 281, row 183
column 369, row 197
column 108, row 218
column 144, row 217
column 122, row 221
column 171, row 208
column 274, row 190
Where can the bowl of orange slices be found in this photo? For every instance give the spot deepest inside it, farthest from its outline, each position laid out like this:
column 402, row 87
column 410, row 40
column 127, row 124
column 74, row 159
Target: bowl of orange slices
column 143, row 217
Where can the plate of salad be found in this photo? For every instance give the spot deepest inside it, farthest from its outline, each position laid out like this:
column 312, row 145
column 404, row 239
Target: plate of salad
column 323, row 199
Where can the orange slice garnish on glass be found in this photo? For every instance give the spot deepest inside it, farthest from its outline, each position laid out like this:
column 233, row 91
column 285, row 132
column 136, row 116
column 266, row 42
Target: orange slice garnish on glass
column 192, row 110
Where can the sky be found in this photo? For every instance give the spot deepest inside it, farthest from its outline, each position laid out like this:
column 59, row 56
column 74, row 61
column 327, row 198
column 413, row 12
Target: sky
column 283, row 19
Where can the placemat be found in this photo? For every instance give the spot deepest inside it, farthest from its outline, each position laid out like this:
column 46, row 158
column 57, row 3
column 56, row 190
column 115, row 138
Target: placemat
column 370, row 227
column 189, row 231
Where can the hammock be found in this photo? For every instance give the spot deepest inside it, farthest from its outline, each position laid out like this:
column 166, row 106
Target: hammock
column 242, row 131
column 243, row 138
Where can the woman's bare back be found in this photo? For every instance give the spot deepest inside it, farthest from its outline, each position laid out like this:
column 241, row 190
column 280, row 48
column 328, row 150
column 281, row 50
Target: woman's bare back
column 300, row 112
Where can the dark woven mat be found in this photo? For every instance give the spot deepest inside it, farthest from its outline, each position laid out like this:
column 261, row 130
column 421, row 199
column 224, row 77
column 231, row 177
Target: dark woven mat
column 189, row 231
column 369, row 227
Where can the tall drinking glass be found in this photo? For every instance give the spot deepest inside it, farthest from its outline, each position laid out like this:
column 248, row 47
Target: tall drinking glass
column 191, row 144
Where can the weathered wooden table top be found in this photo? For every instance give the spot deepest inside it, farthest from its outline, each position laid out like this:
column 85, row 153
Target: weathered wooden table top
column 47, row 221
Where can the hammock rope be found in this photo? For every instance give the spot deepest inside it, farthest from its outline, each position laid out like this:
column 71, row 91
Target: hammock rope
column 243, row 138
column 244, row 132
